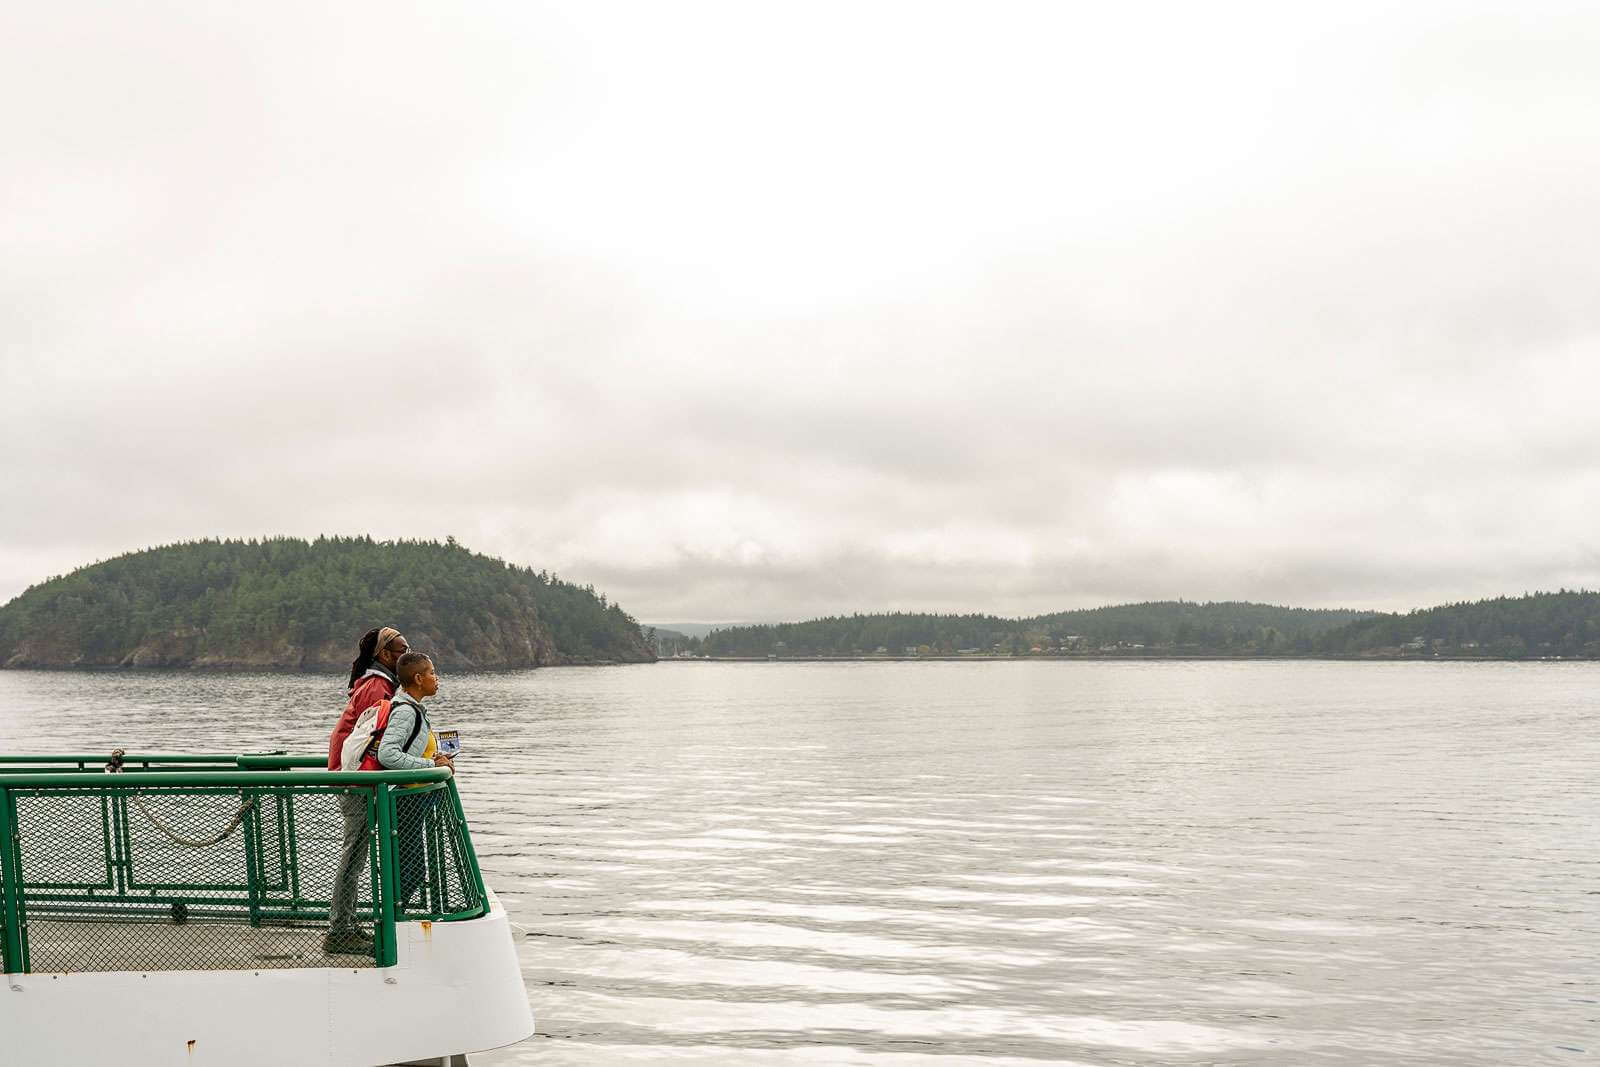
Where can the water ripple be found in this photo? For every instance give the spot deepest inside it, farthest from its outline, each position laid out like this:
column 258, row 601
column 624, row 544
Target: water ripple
column 939, row 863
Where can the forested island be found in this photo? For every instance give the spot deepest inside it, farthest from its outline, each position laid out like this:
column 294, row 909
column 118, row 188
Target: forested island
column 289, row 604
column 1563, row 625
column 286, row 603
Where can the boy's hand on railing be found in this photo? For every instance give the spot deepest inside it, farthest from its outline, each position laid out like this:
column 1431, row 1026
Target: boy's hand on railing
column 441, row 760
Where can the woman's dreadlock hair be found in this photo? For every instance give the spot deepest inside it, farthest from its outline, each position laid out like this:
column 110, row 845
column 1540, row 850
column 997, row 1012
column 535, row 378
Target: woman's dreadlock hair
column 367, row 649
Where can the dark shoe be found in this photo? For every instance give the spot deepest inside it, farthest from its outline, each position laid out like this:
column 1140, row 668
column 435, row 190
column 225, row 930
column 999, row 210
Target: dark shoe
column 348, row 943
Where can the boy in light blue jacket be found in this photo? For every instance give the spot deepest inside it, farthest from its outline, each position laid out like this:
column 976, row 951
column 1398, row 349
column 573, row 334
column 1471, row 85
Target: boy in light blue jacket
column 409, row 744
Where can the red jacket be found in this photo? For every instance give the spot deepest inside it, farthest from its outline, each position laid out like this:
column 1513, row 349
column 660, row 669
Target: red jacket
column 377, row 684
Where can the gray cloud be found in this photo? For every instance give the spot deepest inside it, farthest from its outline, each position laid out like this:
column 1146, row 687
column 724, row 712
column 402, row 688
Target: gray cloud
column 744, row 314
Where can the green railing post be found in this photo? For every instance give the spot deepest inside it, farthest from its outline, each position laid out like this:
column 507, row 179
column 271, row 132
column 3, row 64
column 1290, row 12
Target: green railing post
column 388, row 952
column 10, row 884
column 108, row 831
column 122, row 849
column 470, row 853
column 289, row 848
column 249, row 798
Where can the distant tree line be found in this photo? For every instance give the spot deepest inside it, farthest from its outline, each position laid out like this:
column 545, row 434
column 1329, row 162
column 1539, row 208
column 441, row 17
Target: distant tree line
column 858, row 634
column 1182, row 625
column 1565, row 624
column 252, row 602
column 667, row 643
column 1173, row 626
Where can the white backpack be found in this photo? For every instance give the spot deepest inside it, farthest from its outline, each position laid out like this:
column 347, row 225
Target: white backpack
column 365, row 734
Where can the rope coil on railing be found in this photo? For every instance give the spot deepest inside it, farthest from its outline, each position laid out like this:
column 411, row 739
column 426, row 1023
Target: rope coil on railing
column 114, row 766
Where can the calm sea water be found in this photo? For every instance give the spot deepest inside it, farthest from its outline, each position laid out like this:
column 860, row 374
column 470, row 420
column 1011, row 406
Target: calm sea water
column 941, row 863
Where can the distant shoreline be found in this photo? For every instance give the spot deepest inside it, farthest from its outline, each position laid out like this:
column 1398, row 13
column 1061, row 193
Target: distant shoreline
column 1135, row 656
column 337, row 669
column 1128, row 657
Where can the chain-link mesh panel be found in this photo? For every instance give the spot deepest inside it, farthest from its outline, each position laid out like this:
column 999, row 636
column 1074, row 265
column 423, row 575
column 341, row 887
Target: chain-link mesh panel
column 172, row 877
column 434, row 878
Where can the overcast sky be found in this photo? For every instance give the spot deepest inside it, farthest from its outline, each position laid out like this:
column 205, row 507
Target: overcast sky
column 763, row 311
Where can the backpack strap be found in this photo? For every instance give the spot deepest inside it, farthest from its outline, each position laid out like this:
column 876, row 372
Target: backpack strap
column 415, row 730
column 377, row 734
column 380, row 724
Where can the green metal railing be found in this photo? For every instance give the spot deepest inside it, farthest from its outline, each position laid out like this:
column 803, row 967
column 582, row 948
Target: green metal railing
column 214, row 861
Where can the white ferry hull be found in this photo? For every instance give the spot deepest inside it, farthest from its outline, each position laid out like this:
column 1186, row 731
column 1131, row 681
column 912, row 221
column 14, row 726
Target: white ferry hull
column 456, row 988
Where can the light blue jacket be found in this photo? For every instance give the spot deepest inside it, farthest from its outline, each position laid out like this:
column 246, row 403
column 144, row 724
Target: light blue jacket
column 393, row 753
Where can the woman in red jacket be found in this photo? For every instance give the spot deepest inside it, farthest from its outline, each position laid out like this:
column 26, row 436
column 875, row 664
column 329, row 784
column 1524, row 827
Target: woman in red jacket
column 372, row 678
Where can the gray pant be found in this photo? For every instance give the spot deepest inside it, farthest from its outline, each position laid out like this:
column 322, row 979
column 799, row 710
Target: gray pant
column 352, row 860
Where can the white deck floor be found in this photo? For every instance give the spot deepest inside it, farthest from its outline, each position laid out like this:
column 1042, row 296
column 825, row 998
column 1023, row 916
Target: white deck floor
column 57, row 946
